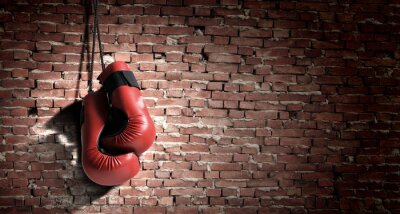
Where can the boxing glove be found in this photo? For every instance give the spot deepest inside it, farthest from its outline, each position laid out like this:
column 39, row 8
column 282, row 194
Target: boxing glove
column 130, row 127
column 115, row 128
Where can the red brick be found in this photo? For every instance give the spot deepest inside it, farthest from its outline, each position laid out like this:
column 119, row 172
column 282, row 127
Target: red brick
column 176, row 30
column 19, row 64
column 272, row 52
column 133, row 192
column 221, row 31
column 126, row 28
column 220, row 49
column 168, row 48
column 188, row 191
column 203, row 21
column 328, row 116
column 200, row 2
column 187, row 174
column 174, row 57
column 20, row 55
column 174, row 165
column 255, row 33
column 202, row 11
column 47, row 93
column 66, row 49
column 312, row 6
column 178, row 183
column 241, row 21
column 194, row 40
column 16, row 83
column 152, row 20
column 20, row 73
column 126, row 10
column 224, row 58
column 177, row 11
column 20, row 27
column 172, row 67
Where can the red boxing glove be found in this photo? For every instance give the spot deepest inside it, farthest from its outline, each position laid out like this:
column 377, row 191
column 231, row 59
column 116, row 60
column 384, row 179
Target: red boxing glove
column 138, row 132
column 116, row 127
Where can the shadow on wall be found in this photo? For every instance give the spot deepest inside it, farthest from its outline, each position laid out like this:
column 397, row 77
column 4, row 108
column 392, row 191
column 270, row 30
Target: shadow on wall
column 80, row 190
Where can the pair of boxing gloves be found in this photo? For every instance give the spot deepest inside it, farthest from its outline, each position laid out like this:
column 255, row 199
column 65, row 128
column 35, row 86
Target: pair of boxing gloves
column 116, row 127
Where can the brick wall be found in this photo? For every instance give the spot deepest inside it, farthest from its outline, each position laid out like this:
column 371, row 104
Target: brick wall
column 260, row 106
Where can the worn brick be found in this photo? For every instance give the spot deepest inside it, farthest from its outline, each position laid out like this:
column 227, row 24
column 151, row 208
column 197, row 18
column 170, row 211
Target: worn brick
column 259, row 106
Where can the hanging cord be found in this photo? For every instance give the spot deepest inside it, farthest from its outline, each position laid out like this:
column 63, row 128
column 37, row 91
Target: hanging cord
column 92, row 55
column 96, row 20
column 96, row 30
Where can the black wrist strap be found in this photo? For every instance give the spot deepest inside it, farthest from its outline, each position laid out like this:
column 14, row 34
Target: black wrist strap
column 118, row 79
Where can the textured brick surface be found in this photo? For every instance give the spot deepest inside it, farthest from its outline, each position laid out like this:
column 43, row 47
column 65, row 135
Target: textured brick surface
column 260, row 106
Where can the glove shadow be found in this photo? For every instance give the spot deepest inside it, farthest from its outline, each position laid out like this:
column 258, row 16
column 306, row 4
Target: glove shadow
column 80, row 189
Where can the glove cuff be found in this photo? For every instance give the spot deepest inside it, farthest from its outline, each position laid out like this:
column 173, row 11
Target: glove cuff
column 117, row 74
column 118, row 79
column 112, row 68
